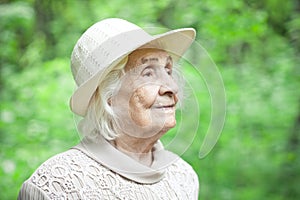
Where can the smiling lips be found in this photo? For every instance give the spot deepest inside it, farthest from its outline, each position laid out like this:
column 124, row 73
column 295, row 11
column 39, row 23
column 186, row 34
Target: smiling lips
column 168, row 107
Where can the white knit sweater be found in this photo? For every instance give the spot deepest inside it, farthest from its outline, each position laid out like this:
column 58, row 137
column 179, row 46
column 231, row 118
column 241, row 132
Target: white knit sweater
column 99, row 171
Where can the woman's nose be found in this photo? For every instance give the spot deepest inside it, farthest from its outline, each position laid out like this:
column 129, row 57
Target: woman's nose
column 168, row 86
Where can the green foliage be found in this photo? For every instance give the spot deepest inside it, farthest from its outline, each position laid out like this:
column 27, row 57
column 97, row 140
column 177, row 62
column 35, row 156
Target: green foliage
column 255, row 45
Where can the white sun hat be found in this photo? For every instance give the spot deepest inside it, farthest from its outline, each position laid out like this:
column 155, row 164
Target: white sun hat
column 106, row 44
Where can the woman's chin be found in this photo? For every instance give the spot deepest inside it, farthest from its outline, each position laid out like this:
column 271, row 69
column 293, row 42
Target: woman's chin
column 168, row 125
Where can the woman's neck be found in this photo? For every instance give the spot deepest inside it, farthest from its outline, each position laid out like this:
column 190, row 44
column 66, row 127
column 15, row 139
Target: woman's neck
column 140, row 149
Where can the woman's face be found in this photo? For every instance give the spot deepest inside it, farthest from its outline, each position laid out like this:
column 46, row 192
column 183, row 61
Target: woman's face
column 145, row 102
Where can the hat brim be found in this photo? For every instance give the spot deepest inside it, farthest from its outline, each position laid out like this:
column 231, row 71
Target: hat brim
column 176, row 42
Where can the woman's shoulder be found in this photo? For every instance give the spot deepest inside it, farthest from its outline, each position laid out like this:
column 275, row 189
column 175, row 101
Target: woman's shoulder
column 64, row 165
column 61, row 163
column 183, row 171
column 64, row 173
column 183, row 179
column 181, row 166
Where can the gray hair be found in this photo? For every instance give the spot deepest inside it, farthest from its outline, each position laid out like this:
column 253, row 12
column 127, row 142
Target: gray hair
column 100, row 118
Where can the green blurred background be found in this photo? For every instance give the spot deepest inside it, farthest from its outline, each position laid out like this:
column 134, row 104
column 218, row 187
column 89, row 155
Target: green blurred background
column 254, row 43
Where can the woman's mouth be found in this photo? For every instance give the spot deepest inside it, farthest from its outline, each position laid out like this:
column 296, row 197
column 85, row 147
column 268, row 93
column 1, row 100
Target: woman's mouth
column 166, row 108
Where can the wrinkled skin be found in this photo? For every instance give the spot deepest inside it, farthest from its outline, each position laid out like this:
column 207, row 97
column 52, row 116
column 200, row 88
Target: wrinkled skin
column 145, row 102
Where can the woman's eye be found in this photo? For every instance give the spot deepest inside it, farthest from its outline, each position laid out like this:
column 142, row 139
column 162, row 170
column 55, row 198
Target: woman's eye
column 169, row 71
column 147, row 73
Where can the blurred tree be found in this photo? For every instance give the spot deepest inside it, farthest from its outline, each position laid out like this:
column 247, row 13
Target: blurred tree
column 44, row 11
column 291, row 164
column 256, row 45
column 17, row 22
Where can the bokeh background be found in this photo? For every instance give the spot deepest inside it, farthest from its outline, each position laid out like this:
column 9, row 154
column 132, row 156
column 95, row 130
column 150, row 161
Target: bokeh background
column 254, row 43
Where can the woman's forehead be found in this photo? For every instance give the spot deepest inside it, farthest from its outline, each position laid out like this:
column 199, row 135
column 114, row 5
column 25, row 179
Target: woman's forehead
column 143, row 56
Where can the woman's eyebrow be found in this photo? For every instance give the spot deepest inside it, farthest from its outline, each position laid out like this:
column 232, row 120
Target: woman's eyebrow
column 144, row 60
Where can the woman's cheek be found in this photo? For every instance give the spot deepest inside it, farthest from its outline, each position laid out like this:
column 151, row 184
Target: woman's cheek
column 144, row 97
column 140, row 106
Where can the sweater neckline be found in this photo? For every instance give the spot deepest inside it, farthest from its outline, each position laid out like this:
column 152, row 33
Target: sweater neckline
column 107, row 155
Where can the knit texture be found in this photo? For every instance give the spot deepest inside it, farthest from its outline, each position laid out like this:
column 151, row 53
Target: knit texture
column 75, row 175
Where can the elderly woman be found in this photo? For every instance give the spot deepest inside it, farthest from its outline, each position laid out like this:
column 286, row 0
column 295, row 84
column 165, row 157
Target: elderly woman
column 127, row 96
